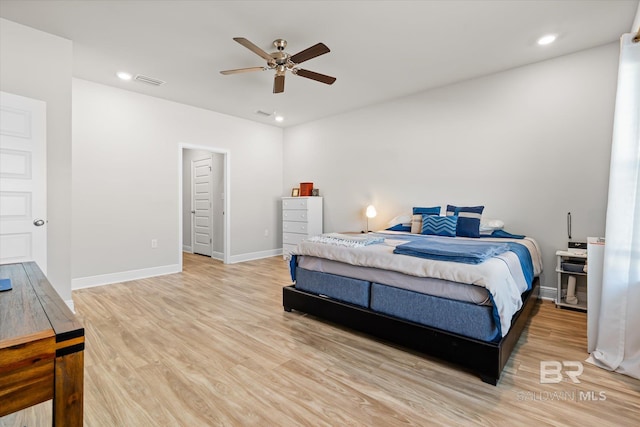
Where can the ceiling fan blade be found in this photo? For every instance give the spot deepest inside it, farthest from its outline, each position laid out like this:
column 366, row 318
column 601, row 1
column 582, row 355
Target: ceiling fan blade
column 278, row 84
column 309, row 53
column 253, row 48
column 322, row 78
column 242, row 70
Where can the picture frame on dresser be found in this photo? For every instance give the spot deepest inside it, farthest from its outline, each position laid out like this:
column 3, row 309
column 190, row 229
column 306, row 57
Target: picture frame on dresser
column 295, row 192
column 315, row 192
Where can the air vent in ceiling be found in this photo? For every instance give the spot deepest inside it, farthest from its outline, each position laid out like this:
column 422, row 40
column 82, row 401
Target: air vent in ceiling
column 148, row 80
column 262, row 113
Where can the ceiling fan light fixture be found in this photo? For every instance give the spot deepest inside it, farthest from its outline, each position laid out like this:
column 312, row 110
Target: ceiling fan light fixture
column 547, row 39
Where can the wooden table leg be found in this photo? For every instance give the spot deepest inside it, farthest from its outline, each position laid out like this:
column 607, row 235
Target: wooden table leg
column 68, row 390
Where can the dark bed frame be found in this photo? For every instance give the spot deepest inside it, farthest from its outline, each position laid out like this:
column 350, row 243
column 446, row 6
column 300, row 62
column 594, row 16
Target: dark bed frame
column 486, row 359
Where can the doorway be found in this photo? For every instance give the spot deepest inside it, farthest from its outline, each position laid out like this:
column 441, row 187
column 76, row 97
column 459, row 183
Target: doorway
column 204, row 201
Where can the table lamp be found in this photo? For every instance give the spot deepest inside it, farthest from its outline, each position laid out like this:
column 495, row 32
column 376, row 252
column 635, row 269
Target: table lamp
column 370, row 213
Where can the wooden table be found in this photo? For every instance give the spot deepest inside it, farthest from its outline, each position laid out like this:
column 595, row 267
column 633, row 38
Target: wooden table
column 41, row 347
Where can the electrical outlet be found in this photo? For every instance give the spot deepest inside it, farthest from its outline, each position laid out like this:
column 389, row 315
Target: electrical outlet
column 154, row 243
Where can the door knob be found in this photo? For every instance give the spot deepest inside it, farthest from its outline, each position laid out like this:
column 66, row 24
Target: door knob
column 193, row 212
column 38, row 222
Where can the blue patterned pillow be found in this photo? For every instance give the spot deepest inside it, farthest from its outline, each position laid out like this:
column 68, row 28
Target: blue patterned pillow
column 468, row 219
column 439, row 225
column 418, row 212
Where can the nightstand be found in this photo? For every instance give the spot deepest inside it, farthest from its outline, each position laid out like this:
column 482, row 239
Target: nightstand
column 571, row 271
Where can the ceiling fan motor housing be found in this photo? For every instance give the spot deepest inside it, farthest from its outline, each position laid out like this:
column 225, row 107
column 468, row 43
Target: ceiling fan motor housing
column 280, row 57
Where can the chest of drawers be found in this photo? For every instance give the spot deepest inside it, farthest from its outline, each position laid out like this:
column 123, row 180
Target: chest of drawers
column 301, row 218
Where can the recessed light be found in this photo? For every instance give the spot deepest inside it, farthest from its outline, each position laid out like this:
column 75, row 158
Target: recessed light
column 279, row 118
column 123, row 75
column 548, row 39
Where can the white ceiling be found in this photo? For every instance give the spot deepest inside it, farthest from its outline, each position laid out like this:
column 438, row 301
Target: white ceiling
column 380, row 50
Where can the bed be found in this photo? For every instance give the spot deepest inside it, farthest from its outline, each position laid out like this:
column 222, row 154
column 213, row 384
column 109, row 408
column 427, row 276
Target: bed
column 467, row 313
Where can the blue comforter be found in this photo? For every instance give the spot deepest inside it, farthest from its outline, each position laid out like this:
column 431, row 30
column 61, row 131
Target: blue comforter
column 450, row 250
column 465, row 251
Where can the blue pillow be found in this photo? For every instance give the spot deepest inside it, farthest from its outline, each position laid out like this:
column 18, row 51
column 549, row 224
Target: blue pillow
column 439, row 225
column 400, row 227
column 468, row 219
column 416, row 219
column 426, row 211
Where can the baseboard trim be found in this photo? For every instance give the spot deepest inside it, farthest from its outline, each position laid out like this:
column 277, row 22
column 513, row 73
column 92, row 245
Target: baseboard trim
column 124, row 276
column 186, row 248
column 254, row 255
column 548, row 293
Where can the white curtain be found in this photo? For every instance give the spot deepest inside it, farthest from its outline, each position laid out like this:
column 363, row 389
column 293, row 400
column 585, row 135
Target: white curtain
column 617, row 347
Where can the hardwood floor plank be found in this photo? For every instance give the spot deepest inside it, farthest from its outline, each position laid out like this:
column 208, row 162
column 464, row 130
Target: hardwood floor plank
column 212, row 346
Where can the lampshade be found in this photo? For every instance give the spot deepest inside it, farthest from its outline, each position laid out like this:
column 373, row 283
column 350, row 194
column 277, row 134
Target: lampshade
column 371, row 211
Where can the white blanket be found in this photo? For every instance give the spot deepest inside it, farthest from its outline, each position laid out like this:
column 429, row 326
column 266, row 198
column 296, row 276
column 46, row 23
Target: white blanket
column 502, row 276
column 350, row 240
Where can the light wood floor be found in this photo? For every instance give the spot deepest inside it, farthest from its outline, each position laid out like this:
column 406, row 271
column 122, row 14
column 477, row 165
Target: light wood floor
column 213, row 346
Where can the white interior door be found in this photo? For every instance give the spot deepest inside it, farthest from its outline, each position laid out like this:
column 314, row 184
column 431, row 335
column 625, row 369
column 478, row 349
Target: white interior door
column 201, row 207
column 23, row 196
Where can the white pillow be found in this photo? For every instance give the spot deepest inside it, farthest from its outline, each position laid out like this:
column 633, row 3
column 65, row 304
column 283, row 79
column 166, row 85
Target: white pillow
column 400, row 219
column 491, row 225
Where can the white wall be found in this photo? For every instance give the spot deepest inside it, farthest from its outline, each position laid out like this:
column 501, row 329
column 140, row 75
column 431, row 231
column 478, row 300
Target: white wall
column 39, row 65
column 217, row 193
column 531, row 144
column 126, row 181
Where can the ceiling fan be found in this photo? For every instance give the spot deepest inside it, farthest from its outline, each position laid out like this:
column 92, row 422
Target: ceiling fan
column 281, row 61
